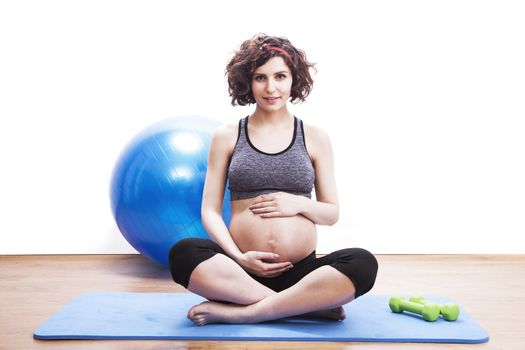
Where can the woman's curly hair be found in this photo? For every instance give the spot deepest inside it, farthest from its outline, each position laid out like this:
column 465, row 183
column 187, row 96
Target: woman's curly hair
column 255, row 52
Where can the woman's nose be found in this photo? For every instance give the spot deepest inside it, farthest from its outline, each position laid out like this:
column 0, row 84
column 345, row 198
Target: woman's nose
column 270, row 85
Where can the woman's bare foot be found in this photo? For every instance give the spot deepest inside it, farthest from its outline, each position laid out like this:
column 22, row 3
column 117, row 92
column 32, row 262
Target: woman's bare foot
column 216, row 312
column 336, row 314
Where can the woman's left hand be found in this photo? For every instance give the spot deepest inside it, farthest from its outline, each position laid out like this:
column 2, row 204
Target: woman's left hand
column 277, row 204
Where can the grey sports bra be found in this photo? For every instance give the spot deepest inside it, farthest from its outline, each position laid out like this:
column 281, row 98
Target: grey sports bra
column 253, row 172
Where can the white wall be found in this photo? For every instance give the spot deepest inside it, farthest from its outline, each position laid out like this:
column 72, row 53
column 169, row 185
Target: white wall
column 424, row 101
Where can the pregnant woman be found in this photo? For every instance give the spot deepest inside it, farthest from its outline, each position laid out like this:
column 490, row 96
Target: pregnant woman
column 264, row 266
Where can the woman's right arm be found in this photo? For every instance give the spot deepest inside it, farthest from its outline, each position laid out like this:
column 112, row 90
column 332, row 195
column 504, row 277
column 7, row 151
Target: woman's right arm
column 221, row 148
column 220, row 151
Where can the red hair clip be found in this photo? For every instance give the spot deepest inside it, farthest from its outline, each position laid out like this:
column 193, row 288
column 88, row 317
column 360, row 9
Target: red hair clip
column 283, row 51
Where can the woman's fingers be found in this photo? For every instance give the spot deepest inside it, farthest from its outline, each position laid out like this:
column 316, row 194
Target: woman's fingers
column 274, row 214
column 271, row 268
column 266, row 256
column 262, row 205
column 278, row 266
column 276, row 269
column 263, row 210
column 263, row 200
column 266, row 264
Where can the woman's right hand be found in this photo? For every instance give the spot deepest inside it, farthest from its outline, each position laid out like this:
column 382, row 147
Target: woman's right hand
column 263, row 264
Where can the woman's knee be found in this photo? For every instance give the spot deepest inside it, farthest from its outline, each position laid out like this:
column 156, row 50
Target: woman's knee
column 360, row 266
column 182, row 250
column 186, row 254
column 368, row 266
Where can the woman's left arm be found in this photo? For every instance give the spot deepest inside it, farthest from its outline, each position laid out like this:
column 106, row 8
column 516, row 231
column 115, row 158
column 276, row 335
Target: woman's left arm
column 322, row 211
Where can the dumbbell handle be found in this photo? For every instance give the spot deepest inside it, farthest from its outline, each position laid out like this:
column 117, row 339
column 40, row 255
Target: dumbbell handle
column 449, row 311
column 429, row 312
column 416, row 308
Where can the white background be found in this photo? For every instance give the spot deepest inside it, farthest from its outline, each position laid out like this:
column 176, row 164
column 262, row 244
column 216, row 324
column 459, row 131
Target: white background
column 424, row 102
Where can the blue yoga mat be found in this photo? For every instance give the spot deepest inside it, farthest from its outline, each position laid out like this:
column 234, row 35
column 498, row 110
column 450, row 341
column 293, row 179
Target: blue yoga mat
column 119, row 315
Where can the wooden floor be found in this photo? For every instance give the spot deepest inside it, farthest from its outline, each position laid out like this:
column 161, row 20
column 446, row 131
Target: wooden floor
column 491, row 288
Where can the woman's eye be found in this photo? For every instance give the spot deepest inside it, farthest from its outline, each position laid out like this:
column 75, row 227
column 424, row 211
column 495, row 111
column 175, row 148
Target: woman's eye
column 281, row 76
column 259, row 78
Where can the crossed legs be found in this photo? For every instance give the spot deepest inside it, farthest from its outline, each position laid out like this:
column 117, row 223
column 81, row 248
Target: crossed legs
column 235, row 297
column 221, row 279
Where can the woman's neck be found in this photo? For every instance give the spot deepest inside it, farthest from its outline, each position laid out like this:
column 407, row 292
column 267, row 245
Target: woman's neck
column 278, row 118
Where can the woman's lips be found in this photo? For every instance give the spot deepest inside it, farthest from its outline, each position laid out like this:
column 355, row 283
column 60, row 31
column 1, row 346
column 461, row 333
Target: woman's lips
column 271, row 100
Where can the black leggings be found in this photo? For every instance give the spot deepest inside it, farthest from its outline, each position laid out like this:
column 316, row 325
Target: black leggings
column 359, row 265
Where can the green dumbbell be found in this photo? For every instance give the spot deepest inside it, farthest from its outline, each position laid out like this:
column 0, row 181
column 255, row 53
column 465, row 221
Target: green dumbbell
column 430, row 312
column 449, row 311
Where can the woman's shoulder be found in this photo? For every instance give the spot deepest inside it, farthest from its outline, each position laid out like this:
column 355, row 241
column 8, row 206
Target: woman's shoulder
column 226, row 130
column 226, row 135
column 317, row 141
column 315, row 134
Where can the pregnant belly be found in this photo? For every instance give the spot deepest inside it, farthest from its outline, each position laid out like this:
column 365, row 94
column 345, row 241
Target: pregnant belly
column 293, row 238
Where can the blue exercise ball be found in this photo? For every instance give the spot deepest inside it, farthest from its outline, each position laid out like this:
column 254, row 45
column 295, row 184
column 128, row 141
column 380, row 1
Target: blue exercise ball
column 157, row 185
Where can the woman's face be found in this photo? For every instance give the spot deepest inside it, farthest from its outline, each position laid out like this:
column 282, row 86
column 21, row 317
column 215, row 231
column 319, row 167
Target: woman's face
column 272, row 84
